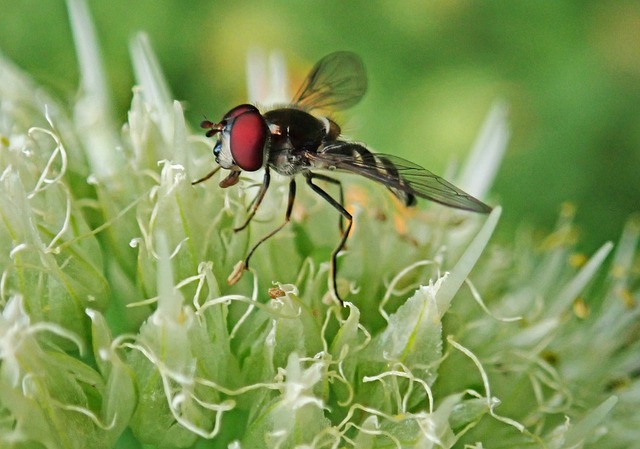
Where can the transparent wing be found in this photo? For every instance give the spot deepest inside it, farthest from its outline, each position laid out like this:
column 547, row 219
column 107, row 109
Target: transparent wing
column 338, row 81
column 404, row 178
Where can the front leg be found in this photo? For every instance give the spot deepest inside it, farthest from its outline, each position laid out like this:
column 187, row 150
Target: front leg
column 255, row 203
column 207, row 176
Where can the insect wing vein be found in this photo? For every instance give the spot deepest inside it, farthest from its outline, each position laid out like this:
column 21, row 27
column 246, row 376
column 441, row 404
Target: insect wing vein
column 397, row 174
column 338, row 81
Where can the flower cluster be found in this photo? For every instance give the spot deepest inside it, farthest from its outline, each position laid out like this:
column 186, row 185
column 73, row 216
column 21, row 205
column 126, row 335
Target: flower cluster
column 118, row 325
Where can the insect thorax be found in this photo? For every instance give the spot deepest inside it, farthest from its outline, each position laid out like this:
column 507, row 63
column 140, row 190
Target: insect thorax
column 293, row 133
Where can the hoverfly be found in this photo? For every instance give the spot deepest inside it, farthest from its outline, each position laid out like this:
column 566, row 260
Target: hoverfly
column 292, row 140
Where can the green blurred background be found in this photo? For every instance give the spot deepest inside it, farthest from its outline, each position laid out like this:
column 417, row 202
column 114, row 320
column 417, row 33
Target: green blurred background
column 570, row 71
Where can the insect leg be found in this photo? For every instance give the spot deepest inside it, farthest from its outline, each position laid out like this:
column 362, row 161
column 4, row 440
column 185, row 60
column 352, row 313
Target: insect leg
column 287, row 217
column 339, row 184
column 255, row 203
column 345, row 233
column 207, row 176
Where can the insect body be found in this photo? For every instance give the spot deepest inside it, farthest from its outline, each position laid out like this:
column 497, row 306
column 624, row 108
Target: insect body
column 291, row 140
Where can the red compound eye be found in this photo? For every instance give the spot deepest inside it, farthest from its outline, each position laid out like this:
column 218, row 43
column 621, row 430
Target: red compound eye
column 239, row 110
column 247, row 138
